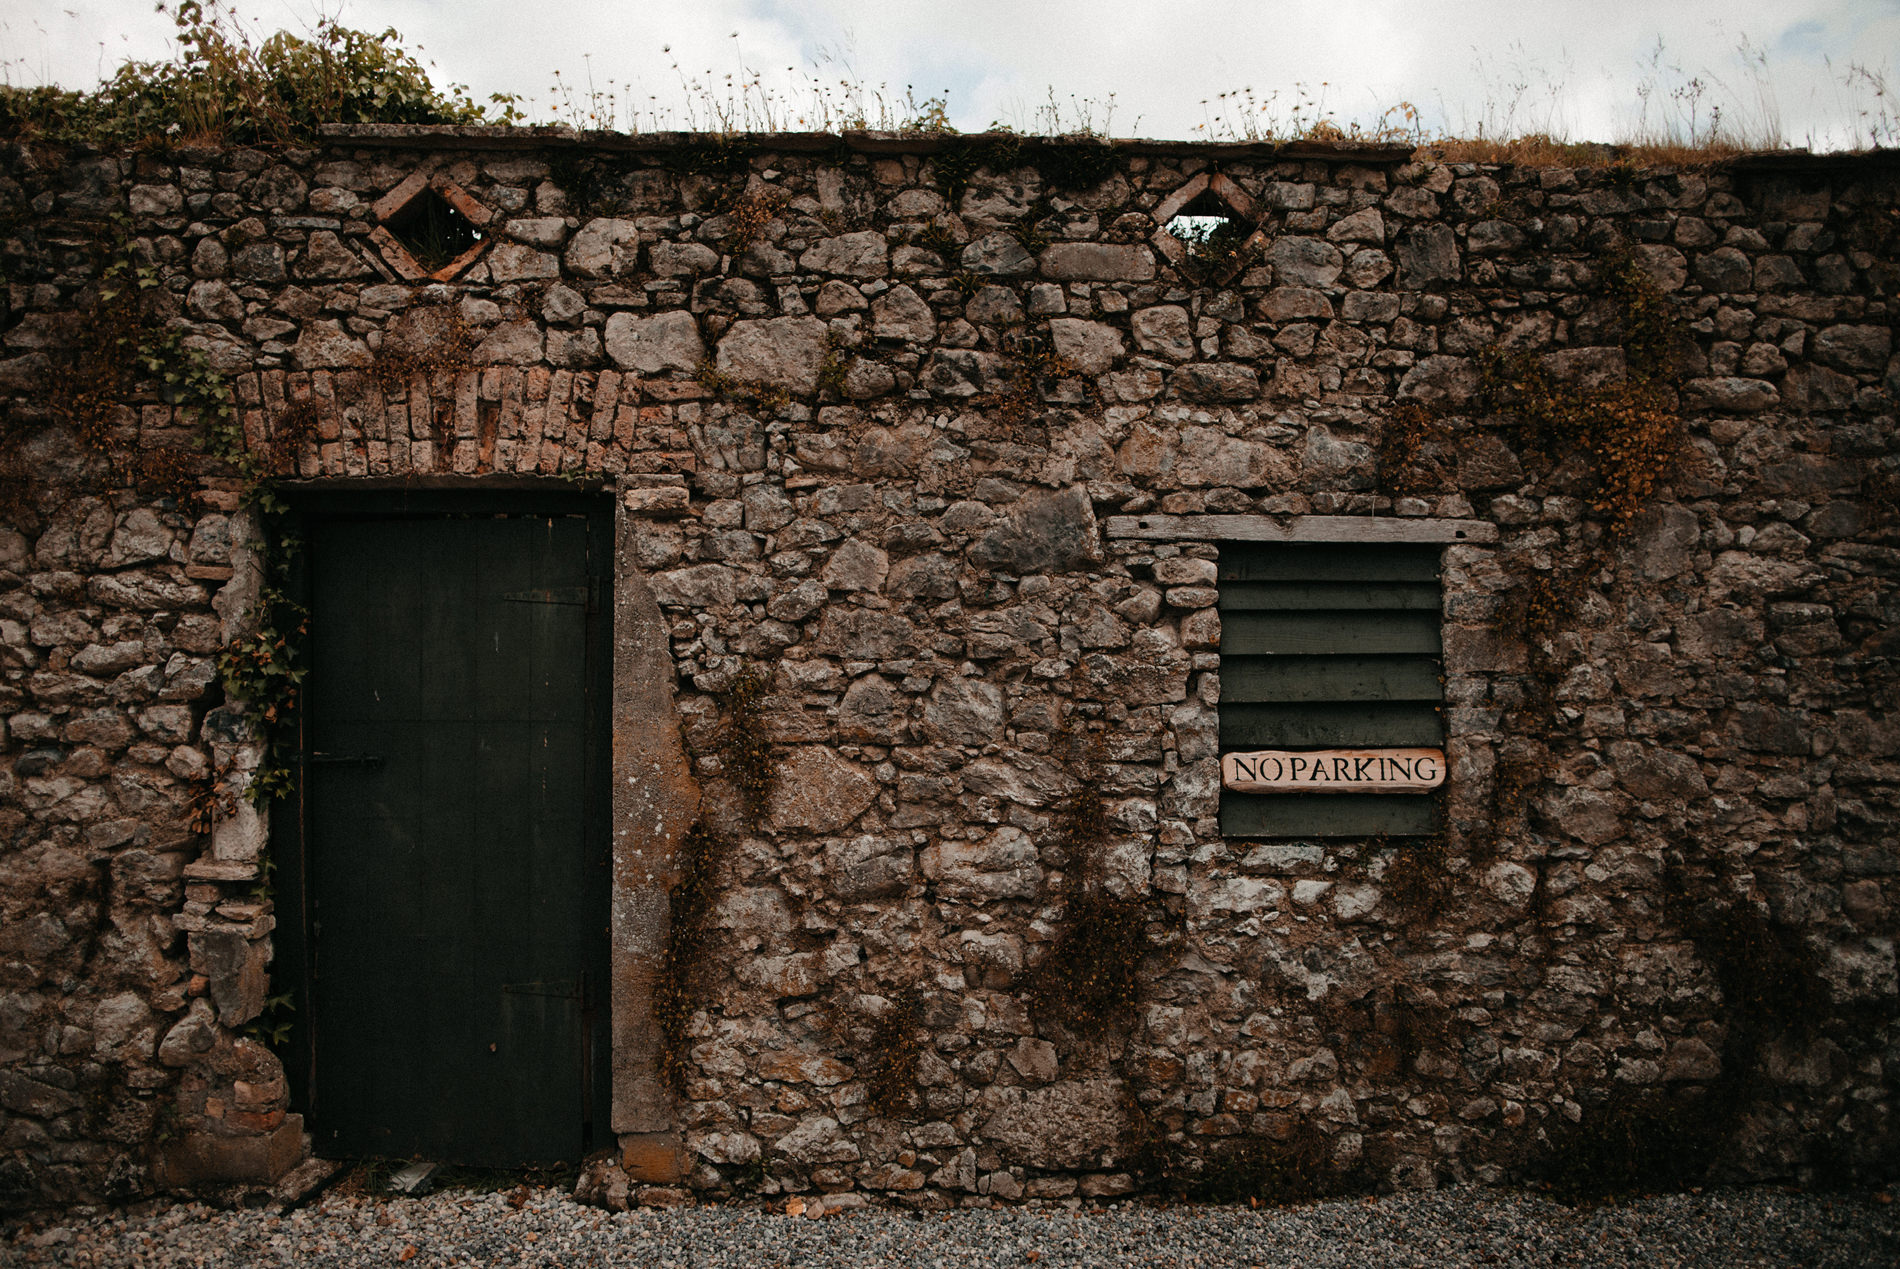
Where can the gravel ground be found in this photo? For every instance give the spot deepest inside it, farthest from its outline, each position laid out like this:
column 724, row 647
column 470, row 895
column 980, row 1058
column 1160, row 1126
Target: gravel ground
column 1450, row 1227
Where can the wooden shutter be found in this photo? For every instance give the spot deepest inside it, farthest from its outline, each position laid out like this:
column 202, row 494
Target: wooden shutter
column 1329, row 646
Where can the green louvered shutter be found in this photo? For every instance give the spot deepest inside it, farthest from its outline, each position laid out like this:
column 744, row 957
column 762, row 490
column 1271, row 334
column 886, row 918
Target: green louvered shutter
column 1329, row 646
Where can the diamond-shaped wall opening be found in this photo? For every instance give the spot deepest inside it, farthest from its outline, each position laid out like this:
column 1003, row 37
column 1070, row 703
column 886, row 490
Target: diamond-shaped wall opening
column 1207, row 226
column 430, row 228
column 432, row 231
column 1209, row 229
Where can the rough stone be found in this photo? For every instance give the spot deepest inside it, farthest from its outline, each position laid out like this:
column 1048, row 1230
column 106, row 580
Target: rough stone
column 1731, row 394
column 964, row 712
column 997, row 254
column 818, row 790
column 867, row 867
column 1042, row 532
column 1071, row 1124
column 1165, row 330
column 213, row 301
column 515, row 262
column 517, row 343
column 326, row 346
column 654, row 344
column 605, row 248
column 234, row 967
column 1002, row 865
column 1092, row 348
column 854, row 255
column 779, row 352
column 191, row 1038
column 1305, row 262
column 1864, row 348
column 961, row 372
column 681, row 259
column 1427, row 254
column 326, row 258
column 1097, row 262
column 817, row 1141
column 902, row 315
column 1364, row 225
column 857, row 566
column 1216, row 384
column 1294, row 303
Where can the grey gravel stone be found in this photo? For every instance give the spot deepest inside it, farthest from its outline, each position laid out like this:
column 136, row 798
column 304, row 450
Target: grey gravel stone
column 1434, row 1229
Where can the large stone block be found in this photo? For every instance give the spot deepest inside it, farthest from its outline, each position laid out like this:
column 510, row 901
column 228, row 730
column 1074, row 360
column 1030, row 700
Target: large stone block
column 1864, row 348
column 1071, row 1124
column 856, row 566
column 326, row 257
column 191, row 1037
column 1098, row 262
column 1164, row 330
column 23, row 1094
column 1294, row 304
column 901, row 314
column 653, row 1157
column 864, row 633
column 871, row 710
column 1197, row 457
column 964, row 712
column 1042, row 533
column 818, row 1140
column 1427, row 254
column 202, row 1158
column 123, row 1029
column 778, row 352
column 1305, row 261
column 818, row 790
column 997, row 253
column 1001, row 866
column 1091, row 347
column 517, row 343
column 326, row 346
column 868, row 867
column 605, row 248
column 236, row 968
column 855, row 255
column 1222, row 384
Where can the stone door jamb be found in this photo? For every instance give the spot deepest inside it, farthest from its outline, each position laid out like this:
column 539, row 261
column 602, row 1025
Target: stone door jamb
column 654, row 802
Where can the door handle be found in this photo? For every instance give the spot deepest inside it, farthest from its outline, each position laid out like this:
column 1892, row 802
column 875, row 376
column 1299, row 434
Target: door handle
column 346, row 759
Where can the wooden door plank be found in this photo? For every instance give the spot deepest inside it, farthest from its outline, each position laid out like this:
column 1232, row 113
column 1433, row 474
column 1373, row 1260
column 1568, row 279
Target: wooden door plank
column 1246, row 563
column 1238, row 596
column 1323, row 815
column 461, row 864
column 1313, row 633
column 1395, row 724
column 1330, row 678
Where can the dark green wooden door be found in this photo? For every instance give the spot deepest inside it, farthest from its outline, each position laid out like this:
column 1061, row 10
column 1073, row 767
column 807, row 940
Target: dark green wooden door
column 456, row 861
column 1329, row 646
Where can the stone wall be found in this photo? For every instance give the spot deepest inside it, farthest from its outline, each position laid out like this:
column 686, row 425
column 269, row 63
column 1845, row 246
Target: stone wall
column 940, row 436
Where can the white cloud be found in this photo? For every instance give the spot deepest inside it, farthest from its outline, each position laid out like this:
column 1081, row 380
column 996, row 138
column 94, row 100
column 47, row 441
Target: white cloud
column 1464, row 63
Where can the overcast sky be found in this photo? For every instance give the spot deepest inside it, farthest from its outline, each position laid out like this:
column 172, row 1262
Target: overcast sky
column 1574, row 68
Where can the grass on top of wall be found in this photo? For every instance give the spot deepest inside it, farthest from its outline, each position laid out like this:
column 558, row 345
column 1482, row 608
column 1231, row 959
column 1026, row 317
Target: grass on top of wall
column 228, row 82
